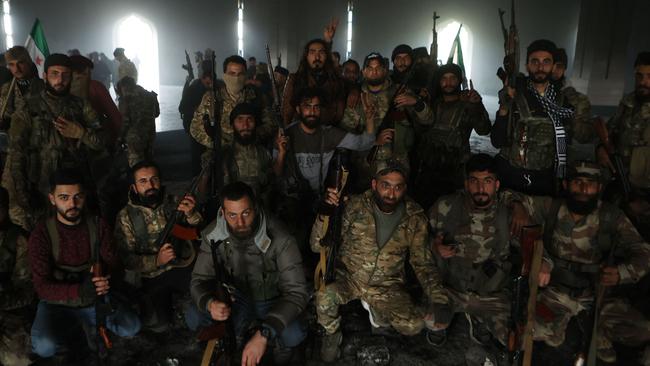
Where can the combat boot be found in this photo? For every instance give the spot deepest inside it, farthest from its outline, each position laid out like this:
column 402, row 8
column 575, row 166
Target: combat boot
column 330, row 348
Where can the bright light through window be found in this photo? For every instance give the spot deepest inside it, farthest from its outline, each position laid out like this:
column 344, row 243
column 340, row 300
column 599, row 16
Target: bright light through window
column 446, row 35
column 240, row 28
column 6, row 24
column 349, row 41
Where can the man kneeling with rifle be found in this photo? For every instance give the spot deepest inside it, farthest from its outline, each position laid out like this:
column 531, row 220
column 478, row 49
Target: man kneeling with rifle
column 65, row 251
column 263, row 267
column 593, row 247
column 157, row 259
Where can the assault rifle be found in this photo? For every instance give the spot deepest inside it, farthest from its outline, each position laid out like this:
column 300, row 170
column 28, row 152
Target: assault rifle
column 337, row 177
column 588, row 345
column 277, row 99
column 621, row 173
column 510, row 70
column 176, row 234
column 190, row 71
column 216, row 166
column 103, row 308
column 433, row 49
column 520, row 327
column 220, row 336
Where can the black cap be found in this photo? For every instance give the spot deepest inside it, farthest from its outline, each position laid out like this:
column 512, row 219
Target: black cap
column 403, row 48
column 560, row 57
column 643, row 58
column 541, row 45
column 450, row 68
column 373, row 56
column 57, row 59
column 243, row 108
column 80, row 63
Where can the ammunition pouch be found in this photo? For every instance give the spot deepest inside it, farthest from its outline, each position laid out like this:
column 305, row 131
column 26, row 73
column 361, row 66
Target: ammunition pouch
column 481, row 278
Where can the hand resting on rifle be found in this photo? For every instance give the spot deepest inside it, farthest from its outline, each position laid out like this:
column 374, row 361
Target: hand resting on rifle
column 544, row 274
column 385, row 136
column 520, row 218
column 445, row 251
column 610, row 276
column 219, row 311
column 333, row 197
column 187, row 205
column 165, row 254
column 101, row 284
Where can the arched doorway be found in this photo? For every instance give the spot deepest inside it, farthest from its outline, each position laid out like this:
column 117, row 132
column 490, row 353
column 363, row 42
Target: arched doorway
column 139, row 39
column 446, row 35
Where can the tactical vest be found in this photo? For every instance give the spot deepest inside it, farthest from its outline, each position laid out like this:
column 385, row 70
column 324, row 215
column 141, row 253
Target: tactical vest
column 72, row 274
column 232, row 165
column 633, row 143
column 262, row 282
column 576, row 275
column 485, row 278
column 532, row 144
column 443, row 144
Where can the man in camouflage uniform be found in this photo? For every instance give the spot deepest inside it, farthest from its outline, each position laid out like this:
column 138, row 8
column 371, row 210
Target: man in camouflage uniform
column 376, row 98
column 443, row 147
column 381, row 229
column 535, row 125
column 581, row 232
column 474, row 230
column 156, row 272
column 54, row 130
column 126, row 67
column 26, row 84
column 630, row 131
column 139, row 108
column 232, row 92
column 584, row 149
column 16, row 291
column 246, row 160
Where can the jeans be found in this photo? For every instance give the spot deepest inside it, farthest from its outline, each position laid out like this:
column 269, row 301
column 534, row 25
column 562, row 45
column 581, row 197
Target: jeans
column 244, row 314
column 52, row 322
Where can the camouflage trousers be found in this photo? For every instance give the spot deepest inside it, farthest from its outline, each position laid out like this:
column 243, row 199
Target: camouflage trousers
column 388, row 306
column 14, row 340
column 492, row 311
column 618, row 320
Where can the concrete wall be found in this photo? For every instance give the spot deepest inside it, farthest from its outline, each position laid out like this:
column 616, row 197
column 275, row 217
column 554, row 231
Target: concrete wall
column 379, row 26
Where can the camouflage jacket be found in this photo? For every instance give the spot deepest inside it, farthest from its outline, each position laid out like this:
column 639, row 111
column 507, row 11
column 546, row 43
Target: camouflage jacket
column 581, row 128
column 482, row 240
column 629, row 128
column 366, row 266
column 136, row 255
column 354, row 119
column 139, row 108
column 16, row 100
column 16, row 288
column 127, row 68
column 37, row 149
column 265, row 129
column 448, row 137
column 250, row 164
column 578, row 241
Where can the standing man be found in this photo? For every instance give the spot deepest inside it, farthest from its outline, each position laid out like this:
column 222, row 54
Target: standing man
column 381, row 229
column 232, row 92
column 443, row 147
column 581, row 233
column 533, row 127
column 155, row 272
column 251, row 68
column 402, row 59
column 264, row 265
column 139, row 108
column 62, row 252
column 125, row 68
column 473, row 232
column 583, row 146
column 55, row 130
column 630, row 132
column 316, row 70
column 16, row 290
column 351, row 72
column 27, row 83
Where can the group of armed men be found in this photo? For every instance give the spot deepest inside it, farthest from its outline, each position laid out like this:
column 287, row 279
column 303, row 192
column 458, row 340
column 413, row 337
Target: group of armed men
column 415, row 201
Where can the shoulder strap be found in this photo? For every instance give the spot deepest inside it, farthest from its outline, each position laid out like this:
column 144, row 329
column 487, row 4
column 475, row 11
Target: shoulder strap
column 502, row 222
column 456, row 214
column 139, row 226
column 55, row 239
column 522, row 105
column 551, row 221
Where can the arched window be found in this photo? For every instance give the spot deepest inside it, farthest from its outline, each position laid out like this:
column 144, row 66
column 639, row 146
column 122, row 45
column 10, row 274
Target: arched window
column 139, row 39
column 446, row 34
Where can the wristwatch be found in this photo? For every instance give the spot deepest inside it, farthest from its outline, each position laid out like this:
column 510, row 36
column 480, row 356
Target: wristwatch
column 266, row 332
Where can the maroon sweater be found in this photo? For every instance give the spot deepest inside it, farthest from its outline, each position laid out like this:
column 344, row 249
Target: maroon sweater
column 74, row 251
